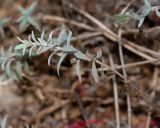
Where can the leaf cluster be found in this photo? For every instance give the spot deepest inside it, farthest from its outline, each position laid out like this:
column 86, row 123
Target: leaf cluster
column 147, row 9
column 59, row 46
column 26, row 17
column 11, row 64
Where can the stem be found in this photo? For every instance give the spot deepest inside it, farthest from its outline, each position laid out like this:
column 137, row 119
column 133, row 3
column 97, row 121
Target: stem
column 148, row 120
column 154, row 83
column 116, row 103
column 82, row 109
column 125, row 76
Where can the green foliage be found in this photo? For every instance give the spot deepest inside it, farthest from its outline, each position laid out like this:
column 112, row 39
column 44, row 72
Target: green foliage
column 60, row 46
column 26, row 18
column 147, row 9
column 122, row 18
column 94, row 58
column 11, row 64
column 145, row 12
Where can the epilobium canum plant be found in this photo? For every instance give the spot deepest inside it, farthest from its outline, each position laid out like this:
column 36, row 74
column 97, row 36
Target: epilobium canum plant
column 26, row 17
column 147, row 10
column 60, row 46
column 11, row 63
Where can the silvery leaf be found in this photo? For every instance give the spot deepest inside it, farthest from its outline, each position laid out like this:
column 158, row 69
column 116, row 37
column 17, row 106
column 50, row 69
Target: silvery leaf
column 94, row 72
column 59, row 62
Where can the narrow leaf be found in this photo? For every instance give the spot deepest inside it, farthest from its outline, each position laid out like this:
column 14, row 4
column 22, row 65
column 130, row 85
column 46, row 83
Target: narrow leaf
column 23, row 25
column 42, row 42
column 34, row 23
column 62, row 37
column 145, row 12
column 32, row 7
column 19, row 69
column 94, row 72
column 44, row 50
column 20, row 19
column 122, row 18
column 50, row 36
column 50, row 57
column 59, row 63
column 21, row 9
column 24, row 49
column 33, row 37
column 147, row 4
column 78, row 70
column 42, row 35
column 69, row 49
column 81, row 56
column 10, row 51
column 69, row 38
column 141, row 22
column 20, row 46
column 31, row 50
column 8, row 67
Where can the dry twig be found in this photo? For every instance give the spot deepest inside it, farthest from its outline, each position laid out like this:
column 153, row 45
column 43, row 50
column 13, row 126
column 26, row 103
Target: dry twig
column 116, row 102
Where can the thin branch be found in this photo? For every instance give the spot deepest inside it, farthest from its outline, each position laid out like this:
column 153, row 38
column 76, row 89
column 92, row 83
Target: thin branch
column 130, row 65
column 128, row 5
column 82, row 109
column 116, row 103
column 125, row 75
column 64, row 20
column 111, row 35
column 154, row 84
column 145, row 31
column 85, row 36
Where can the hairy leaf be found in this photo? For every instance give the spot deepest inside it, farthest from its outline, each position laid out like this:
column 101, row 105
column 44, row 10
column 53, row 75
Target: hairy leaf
column 147, row 4
column 3, row 65
column 81, row 56
column 8, row 67
column 59, row 63
column 78, row 70
column 50, row 57
column 94, row 72
column 33, row 22
column 21, row 46
column 32, row 7
column 26, row 18
column 69, row 38
column 141, row 22
column 62, row 36
column 122, row 18
column 18, row 69
column 69, row 49
column 50, row 37
column 23, row 25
